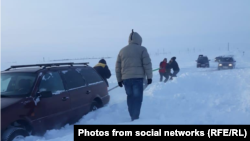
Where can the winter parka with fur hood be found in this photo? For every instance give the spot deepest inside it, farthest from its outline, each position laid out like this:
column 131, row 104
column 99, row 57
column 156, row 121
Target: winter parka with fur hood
column 133, row 60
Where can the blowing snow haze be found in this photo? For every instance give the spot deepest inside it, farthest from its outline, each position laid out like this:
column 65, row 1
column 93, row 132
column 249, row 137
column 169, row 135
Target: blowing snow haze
column 62, row 29
column 85, row 31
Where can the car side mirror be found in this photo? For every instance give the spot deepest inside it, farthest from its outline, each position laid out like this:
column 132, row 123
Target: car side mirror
column 45, row 94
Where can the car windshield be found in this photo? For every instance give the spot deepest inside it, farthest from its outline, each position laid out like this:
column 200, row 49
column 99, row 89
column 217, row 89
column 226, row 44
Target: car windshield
column 16, row 84
column 202, row 59
column 226, row 59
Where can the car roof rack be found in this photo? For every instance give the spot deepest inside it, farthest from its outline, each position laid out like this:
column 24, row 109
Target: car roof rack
column 47, row 65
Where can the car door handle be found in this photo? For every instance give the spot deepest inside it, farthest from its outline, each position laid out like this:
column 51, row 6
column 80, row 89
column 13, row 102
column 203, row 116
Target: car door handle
column 65, row 98
column 88, row 92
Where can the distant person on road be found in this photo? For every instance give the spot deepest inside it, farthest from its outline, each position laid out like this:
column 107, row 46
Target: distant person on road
column 164, row 70
column 133, row 65
column 103, row 69
column 174, row 65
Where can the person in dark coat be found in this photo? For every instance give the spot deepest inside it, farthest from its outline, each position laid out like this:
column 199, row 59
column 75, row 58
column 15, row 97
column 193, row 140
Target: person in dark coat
column 164, row 70
column 174, row 65
column 103, row 70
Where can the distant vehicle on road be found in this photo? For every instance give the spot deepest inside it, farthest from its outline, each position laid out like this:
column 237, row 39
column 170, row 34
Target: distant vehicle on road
column 226, row 63
column 202, row 62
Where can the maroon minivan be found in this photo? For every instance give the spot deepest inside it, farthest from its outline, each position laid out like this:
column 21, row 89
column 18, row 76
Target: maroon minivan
column 40, row 97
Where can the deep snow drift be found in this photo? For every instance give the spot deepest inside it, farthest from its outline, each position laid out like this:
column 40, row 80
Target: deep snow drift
column 196, row 96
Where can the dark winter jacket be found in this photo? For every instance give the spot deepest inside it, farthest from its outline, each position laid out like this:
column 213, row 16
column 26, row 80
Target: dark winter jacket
column 174, row 65
column 168, row 68
column 103, row 70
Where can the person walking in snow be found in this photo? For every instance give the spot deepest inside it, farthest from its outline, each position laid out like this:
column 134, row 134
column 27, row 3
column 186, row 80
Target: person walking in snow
column 174, row 65
column 133, row 65
column 103, row 70
column 164, row 70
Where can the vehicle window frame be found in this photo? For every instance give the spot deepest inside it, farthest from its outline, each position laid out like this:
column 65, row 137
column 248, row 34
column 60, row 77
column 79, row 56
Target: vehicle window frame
column 232, row 59
column 32, row 88
column 65, row 81
column 41, row 79
column 89, row 83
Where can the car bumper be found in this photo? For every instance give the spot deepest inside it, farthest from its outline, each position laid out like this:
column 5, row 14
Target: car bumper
column 202, row 65
column 225, row 67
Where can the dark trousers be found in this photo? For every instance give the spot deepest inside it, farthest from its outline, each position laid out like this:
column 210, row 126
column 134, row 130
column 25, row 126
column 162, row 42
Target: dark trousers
column 166, row 75
column 134, row 91
column 175, row 73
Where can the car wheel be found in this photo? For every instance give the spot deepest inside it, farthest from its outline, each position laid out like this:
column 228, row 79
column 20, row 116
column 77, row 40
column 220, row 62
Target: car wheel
column 14, row 134
column 94, row 106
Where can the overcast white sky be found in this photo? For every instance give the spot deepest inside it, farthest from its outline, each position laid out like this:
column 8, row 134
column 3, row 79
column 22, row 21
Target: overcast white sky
column 85, row 28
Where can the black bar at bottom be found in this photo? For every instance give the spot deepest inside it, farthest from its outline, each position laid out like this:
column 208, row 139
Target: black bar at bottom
column 163, row 131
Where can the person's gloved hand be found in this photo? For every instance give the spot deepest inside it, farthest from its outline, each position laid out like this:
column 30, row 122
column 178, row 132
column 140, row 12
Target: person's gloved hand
column 149, row 81
column 120, row 84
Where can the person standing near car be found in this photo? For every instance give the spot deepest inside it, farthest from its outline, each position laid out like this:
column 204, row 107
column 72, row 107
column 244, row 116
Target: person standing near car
column 164, row 70
column 174, row 65
column 133, row 65
column 103, row 70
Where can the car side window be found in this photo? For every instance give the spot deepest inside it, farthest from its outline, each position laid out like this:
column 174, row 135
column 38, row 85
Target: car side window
column 52, row 81
column 91, row 75
column 73, row 79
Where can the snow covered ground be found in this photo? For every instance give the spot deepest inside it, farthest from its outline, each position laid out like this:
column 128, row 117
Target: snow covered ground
column 196, row 96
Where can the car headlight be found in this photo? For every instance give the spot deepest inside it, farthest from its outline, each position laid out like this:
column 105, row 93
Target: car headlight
column 220, row 64
column 230, row 65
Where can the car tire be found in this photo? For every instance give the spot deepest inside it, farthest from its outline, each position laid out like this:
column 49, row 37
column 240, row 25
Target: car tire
column 94, row 106
column 14, row 133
